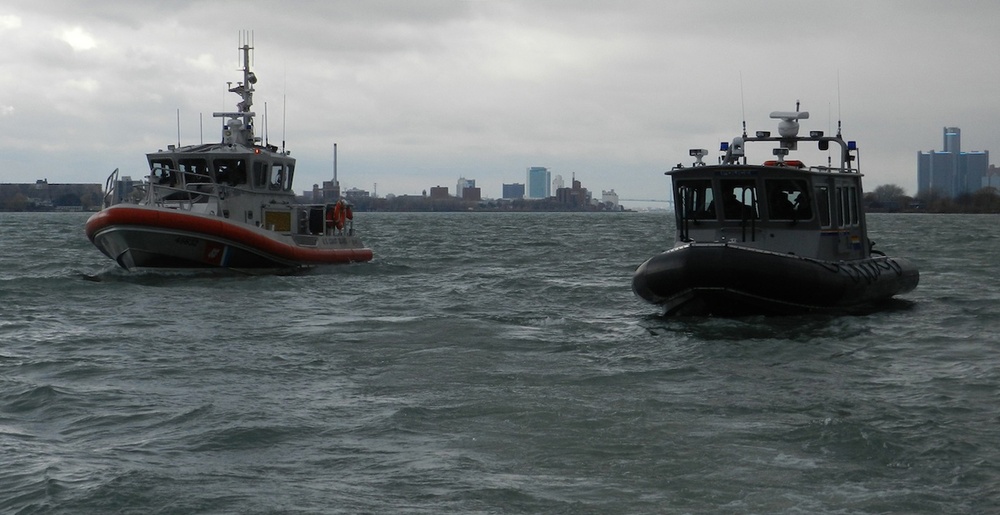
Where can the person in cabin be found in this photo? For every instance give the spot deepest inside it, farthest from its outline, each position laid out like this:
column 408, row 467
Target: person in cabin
column 780, row 207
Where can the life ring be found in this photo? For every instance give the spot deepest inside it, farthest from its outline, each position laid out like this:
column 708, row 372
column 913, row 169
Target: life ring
column 337, row 215
column 793, row 163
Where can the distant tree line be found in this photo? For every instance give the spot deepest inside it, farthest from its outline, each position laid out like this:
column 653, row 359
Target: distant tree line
column 893, row 199
column 50, row 197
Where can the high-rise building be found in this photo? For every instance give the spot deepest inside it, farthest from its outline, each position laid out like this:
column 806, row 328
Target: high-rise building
column 953, row 140
column 951, row 172
column 539, row 182
column 513, row 191
column 558, row 182
column 464, row 183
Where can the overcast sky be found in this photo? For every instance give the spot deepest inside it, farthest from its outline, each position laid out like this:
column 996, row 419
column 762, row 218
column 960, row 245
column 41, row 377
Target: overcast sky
column 419, row 93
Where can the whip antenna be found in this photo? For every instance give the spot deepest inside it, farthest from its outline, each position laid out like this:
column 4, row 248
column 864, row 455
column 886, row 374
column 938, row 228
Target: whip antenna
column 743, row 106
column 839, row 118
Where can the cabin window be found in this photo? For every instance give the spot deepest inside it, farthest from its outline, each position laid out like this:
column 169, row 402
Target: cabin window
column 696, row 199
column 823, row 205
column 277, row 178
column 854, row 205
column 289, row 172
column 739, row 199
column 787, row 199
column 161, row 171
column 847, row 206
column 194, row 170
column 259, row 175
column 230, row 171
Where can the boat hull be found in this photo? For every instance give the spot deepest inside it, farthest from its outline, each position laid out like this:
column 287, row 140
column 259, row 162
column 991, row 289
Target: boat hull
column 729, row 280
column 140, row 237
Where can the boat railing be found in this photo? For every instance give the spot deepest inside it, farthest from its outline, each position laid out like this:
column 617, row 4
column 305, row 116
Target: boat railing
column 182, row 190
column 735, row 153
column 317, row 220
column 110, row 189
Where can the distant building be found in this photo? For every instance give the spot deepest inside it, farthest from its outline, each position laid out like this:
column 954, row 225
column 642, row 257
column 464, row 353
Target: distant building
column 472, row 193
column 610, row 199
column 464, row 183
column 558, row 183
column 355, row 194
column 513, row 191
column 951, row 172
column 439, row 192
column 539, row 182
column 330, row 192
column 575, row 197
column 43, row 196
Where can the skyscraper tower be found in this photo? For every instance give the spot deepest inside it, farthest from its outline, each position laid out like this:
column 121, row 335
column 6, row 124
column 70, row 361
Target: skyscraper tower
column 539, row 185
column 952, row 172
column 953, row 140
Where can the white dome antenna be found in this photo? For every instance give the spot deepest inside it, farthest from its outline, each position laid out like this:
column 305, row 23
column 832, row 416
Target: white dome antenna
column 788, row 127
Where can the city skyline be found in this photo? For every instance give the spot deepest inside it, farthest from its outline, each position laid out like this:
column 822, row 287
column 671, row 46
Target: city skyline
column 418, row 94
column 951, row 172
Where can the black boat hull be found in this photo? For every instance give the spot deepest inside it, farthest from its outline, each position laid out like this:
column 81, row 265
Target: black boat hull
column 729, row 280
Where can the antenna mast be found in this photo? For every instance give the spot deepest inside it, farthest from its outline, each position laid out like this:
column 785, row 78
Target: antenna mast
column 838, row 104
column 239, row 128
column 743, row 106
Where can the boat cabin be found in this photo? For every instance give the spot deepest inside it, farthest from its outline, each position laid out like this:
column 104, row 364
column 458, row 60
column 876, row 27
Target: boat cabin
column 257, row 170
column 778, row 205
column 238, row 161
column 250, row 184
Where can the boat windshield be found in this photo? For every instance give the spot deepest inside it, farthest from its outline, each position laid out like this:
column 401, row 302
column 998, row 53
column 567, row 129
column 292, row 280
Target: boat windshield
column 194, row 170
column 259, row 175
column 739, row 199
column 787, row 199
column 230, row 171
column 696, row 199
column 161, row 171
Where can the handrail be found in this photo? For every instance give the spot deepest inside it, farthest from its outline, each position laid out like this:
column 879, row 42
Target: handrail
column 196, row 191
column 110, row 187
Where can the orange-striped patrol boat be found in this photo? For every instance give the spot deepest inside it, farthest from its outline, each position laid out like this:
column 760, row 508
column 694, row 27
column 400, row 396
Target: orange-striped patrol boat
column 227, row 205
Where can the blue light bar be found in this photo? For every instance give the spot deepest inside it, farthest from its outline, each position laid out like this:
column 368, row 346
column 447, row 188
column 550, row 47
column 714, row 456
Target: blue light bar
column 852, row 145
column 724, row 146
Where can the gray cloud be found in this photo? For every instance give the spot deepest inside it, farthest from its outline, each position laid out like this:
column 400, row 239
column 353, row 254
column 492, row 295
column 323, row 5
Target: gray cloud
column 419, row 93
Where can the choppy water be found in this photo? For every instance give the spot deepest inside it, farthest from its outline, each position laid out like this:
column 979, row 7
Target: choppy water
column 489, row 363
